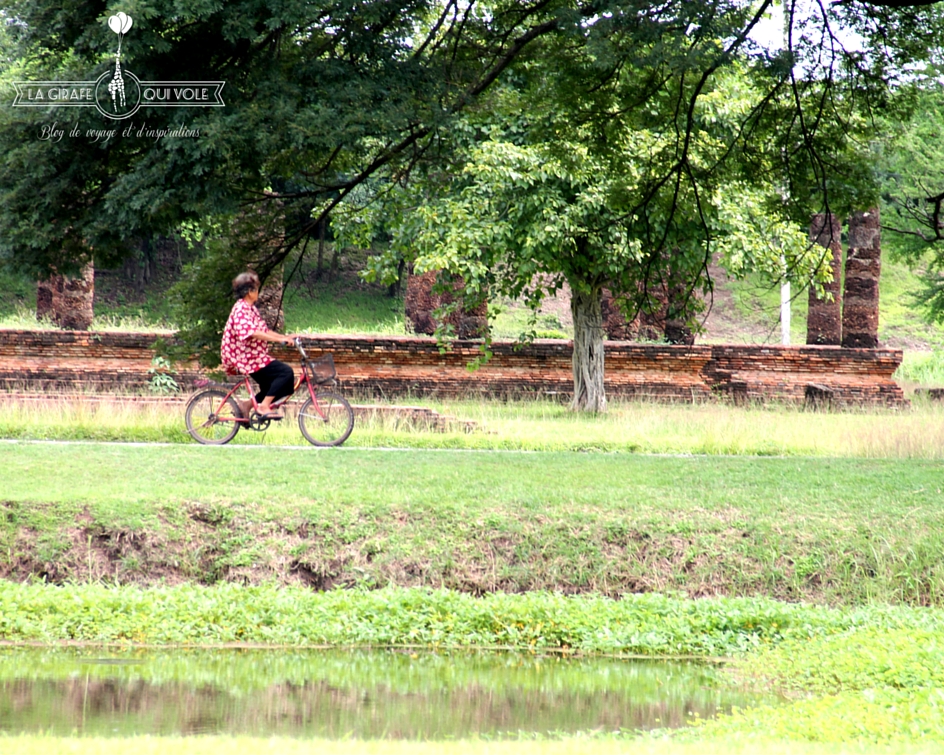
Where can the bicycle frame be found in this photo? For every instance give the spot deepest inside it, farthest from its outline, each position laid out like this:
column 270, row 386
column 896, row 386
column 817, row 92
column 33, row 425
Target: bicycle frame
column 245, row 382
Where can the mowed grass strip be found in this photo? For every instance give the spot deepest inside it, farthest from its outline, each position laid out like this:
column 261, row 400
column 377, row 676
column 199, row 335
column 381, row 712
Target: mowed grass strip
column 826, row 530
column 222, row 745
column 628, row 426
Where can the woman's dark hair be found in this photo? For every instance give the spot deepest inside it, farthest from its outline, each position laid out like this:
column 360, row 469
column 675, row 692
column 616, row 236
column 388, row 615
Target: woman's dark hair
column 244, row 283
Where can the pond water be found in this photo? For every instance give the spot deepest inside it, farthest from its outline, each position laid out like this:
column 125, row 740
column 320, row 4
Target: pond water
column 334, row 694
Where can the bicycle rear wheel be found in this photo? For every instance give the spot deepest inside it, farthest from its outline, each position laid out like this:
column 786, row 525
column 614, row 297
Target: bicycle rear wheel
column 211, row 417
column 327, row 421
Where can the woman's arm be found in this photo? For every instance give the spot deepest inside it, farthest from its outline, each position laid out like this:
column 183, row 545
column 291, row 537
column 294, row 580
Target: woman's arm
column 262, row 335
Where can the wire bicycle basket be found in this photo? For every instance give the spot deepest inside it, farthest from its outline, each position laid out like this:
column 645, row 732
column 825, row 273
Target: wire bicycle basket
column 322, row 370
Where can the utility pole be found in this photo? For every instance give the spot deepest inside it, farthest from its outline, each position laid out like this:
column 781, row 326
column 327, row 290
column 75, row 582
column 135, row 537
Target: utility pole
column 784, row 307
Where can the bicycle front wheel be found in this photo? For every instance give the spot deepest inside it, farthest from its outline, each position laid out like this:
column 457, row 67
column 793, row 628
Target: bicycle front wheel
column 211, row 417
column 327, row 420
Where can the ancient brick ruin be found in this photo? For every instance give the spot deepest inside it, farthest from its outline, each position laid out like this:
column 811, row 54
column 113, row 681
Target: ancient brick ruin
column 617, row 327
column 824, row 318
column 424, row 297
column 67, row 300
column 395, row 366
column 655, row 325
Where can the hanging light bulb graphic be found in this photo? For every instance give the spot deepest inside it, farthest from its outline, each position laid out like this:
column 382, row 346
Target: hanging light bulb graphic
column 120, row 23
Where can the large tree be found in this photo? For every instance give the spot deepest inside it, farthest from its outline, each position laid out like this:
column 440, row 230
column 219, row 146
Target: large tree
column 525, row 211
column 636, row 149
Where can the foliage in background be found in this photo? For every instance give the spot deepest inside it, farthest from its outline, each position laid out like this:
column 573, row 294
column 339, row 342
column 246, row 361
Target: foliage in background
column 162, row 381
column 911, row 164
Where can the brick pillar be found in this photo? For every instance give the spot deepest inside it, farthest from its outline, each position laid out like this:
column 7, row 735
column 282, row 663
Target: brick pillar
column 824, row 321
column 677, row 306
column 47, row 297
column 421, row 302
column 270, row 301
column 614, row 321
column 863, row 269
column 75, row 302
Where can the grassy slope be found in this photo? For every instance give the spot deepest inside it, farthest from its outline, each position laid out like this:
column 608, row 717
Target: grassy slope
column 844, row 531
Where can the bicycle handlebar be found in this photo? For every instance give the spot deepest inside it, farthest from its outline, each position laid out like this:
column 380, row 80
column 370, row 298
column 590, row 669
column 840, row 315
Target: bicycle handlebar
column 298, row 345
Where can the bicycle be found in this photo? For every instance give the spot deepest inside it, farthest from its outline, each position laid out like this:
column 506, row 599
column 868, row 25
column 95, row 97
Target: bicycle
column 214, row 417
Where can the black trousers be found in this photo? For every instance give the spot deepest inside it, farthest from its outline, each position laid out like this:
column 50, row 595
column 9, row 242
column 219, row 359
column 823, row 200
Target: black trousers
column 275, row 379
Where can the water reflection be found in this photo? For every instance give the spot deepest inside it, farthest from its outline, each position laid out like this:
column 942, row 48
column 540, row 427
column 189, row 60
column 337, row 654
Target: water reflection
column 335, row 694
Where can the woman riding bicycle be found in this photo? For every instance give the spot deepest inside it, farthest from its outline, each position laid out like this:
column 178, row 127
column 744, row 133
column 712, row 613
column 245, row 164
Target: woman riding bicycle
column 245, row 349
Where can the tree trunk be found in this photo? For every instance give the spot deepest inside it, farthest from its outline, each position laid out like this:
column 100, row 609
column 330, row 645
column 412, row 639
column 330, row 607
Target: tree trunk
column 270, row 301
column 677, row 330
column 393, row 290
column 589, row 395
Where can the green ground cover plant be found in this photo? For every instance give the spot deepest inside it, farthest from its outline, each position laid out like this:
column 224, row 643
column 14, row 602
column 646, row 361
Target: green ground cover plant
column 867, row 684
column 649, row 625
column 653, row 625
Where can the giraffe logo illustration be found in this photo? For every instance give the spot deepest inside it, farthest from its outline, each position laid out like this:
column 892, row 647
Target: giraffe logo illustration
column 119, row 23
column 117, row 93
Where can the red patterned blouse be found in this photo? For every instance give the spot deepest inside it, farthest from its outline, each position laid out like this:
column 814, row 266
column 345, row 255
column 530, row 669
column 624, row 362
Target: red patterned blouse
column 242, row 354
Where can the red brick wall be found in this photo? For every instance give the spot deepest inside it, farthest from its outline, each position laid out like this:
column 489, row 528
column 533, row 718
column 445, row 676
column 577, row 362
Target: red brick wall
column 395, row 366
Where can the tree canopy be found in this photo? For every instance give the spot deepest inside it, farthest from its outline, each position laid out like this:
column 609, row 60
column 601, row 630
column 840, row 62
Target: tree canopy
column 321, row 95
